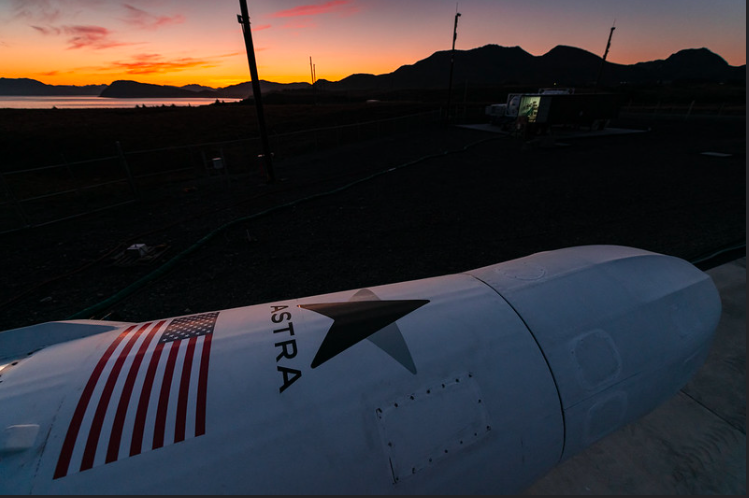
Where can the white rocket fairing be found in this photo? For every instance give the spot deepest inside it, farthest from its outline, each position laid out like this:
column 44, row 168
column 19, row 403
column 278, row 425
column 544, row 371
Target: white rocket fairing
column 470, row 383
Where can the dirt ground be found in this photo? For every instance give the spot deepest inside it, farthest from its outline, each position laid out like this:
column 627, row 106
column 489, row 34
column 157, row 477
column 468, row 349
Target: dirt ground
column 414, row 205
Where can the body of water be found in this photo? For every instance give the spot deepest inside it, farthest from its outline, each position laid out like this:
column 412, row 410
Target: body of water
column 91, row 102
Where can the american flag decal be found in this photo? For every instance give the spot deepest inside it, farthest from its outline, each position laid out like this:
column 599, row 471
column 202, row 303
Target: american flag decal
column 148, row 390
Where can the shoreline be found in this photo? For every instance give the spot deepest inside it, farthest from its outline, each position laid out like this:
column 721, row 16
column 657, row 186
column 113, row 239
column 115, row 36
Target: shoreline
column 98, row 102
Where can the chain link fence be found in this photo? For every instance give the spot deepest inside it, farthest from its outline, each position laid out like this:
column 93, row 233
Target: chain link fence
column 39, row 196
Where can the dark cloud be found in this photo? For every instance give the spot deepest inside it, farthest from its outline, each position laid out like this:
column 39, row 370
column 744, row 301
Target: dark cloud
column 156, row 63
column 315, row 9
column 96, row 37
column 145, row 20
column 49, row 11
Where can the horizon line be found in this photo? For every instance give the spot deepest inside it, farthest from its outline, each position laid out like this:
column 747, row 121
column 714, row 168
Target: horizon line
column 372, row 74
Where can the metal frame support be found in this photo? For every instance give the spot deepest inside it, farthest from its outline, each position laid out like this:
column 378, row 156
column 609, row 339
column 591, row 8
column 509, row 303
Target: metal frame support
column 267, row 156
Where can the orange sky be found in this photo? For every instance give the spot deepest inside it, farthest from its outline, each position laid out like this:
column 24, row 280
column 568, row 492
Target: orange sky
column 179, row 42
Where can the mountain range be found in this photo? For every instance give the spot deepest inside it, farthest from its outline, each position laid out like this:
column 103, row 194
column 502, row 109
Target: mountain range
column 490, row 65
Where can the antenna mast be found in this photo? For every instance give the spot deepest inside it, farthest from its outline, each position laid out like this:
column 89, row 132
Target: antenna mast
column 452, row 61
column 603, row 61
column 267, row 156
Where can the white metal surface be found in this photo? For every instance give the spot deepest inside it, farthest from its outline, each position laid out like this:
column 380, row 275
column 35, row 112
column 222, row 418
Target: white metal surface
column 469, row 383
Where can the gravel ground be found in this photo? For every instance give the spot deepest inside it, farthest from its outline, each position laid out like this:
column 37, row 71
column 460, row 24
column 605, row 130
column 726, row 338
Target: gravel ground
column 414, row 205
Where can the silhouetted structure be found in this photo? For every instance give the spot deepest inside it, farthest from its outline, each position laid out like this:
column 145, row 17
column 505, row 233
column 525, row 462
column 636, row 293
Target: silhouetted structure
column 267, row 156
column 605, row 53
column 452, row 64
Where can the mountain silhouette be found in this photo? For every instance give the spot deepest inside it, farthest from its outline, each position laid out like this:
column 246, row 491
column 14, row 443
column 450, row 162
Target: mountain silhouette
column 243, row 90
column 25, row 87
column 490, row 65
column 493, row 65
column 133, row 89
column 697, row 64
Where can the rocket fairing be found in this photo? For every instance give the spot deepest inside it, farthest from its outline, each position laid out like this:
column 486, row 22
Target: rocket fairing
column 478, row 382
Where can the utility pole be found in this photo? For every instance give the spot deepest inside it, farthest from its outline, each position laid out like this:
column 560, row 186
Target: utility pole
column 314, row 80
column 452, row 63
column 603, row 61
column 267, row 156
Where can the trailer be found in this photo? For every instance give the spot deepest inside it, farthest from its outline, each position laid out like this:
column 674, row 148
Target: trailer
column 532, row 114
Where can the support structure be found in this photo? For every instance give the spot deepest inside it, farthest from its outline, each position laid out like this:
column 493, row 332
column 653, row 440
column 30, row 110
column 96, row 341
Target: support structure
column 267, row 156
column 452, row 63
column 603, row 61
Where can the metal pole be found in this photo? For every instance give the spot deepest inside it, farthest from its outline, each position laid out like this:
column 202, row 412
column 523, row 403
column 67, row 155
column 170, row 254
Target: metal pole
column 603, row 61
column 314, row 80
column 452, row 63
column 267, row 156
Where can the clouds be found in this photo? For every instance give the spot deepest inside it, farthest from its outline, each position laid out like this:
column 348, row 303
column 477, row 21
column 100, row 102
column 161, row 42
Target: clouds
column 338, row 6
column 141, row 19
column 95, row 37
column 156, row 63
column 35, row 10
column 149, row 40
column 150, row 63
column 303, row 16
column 46, row 16
column 50, row 11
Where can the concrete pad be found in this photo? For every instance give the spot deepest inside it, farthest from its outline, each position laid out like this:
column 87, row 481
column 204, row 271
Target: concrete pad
column 484, row 127
column 695, row 443
column 559, row 132
column 606, row 132
column 721, row 382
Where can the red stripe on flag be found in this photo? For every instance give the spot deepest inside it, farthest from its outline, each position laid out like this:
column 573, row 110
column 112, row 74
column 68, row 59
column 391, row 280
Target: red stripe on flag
column 75, row 424
column 202, row 387
column 101, row 410
column 113, row 449
column 166, row 385
column 184, row 392
column 110, row 392
column 136, row 443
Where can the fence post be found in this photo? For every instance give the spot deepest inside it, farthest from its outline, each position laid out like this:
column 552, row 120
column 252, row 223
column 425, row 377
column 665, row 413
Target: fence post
column 689, row 111
column 206, row 165
column 124, row 164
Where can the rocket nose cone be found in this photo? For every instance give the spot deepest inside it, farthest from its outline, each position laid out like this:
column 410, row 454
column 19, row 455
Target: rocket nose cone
column 622, row 329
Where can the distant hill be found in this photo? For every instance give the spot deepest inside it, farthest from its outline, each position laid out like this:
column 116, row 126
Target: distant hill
column 490, row 65
column 699, row 64
column 132, row 89
column 244, row 90
column 197, row 88
column 25, row 87
column 494, row 65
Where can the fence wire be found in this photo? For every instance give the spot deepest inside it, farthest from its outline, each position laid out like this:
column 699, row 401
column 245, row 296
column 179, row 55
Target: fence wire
column 39, row 196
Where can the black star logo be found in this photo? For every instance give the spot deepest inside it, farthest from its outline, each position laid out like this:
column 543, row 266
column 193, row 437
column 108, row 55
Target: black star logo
column 364, row 316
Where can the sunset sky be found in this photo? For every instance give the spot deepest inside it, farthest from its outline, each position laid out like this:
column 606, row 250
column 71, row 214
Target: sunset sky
column 179, row 42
